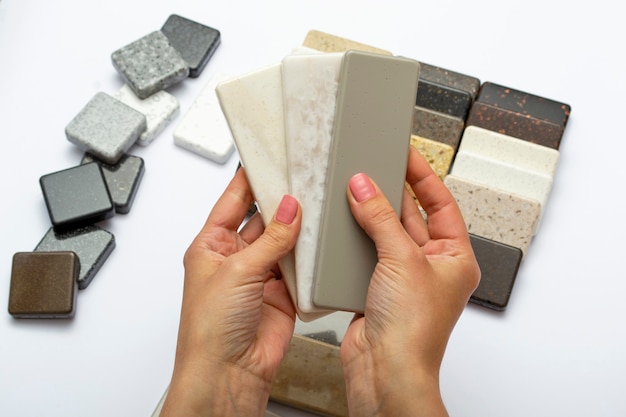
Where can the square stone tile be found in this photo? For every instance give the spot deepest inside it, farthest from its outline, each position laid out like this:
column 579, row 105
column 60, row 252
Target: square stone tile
column 439, row 155
column 195, row 42
column 203, row 129
column 91, row 244
column 43, row 285
column 327, row 42
column 122, row 179
column 106, row 127
column 150, row 64
column 437, row 126
column 160, row 109
column 76, row 197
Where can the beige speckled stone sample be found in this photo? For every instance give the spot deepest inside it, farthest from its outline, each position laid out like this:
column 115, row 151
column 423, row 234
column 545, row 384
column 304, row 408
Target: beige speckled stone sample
column 437, row 126
column 326, row 42
column 439, row 155
column 310, row 377
column 494, row 214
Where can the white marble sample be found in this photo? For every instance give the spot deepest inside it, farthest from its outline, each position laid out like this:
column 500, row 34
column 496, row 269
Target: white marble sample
column 160, row 109
column 203, row 129
column 495, row 214
column 310, row 84
column 253, row 106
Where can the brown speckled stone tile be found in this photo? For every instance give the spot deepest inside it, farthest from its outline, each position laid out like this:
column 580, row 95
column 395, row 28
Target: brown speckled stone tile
column 437, row 126
column 452, row 79
column 499, row 264
column 326, row 42
column 438, row 155
column 310, row 377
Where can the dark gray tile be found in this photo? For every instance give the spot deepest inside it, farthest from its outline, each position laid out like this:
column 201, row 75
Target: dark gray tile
column 91, row 244
column 150, row 64
column 76, row 197
column 448, row 78
column 195, row 42
column 443, row 99
column 437, row 126
column 43, row 285
column 122, row 179
column 106, row 127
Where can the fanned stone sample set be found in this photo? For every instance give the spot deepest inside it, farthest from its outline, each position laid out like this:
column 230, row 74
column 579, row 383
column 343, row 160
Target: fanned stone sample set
column 44, row 282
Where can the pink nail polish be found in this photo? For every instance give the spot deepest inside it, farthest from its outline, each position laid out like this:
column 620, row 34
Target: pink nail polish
column 361, row 187
column 287, row 209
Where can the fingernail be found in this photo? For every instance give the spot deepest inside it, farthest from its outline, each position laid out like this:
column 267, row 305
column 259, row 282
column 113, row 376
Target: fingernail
column 287, row 209
column 361, row 187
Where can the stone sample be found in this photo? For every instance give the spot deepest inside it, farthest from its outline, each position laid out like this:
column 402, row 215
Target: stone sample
column 106, row 127
column 76, row 197
column 203, row 129
column 150, row 64
column 160, row 109
column 43, row 285
column 325, row 42
column 437, row 126
column 195, row 42
column 439, row 155
column 91, row 244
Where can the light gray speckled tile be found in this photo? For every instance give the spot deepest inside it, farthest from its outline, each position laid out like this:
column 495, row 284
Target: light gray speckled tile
column 494, row 214
column 150, row 64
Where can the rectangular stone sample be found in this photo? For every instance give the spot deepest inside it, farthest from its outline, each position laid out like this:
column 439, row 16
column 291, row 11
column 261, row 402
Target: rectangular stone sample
column 160, row 109
column 310, row 377
column 327, row 42
column 91, row 244
column 150, row 64
column 106, row 127
column 76, row 197
column 439, row 155
column 195, row 42
column 310, row 85
column 203, row 129
column 494, row 214
column 437, row 126
column 43, row 285
column 122, row 179
column 253, row 106
column 451, row 79
column 499, row 265
column 443, row 99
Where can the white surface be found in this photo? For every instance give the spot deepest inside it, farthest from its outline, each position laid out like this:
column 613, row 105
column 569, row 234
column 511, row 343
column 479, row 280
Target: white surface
column 559, row 349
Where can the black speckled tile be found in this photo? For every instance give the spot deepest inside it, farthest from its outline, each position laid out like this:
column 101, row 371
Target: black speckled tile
column 437, row 126
column 76, row 197
column 91, row 244
column 195, row 42
column 452, row 79
column 443, row 99
column 122, row 179
column 43, row 285
column 499, row 264
column 150, row 64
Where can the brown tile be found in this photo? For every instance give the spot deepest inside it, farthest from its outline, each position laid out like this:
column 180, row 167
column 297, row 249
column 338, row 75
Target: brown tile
column 437, row 126
column 326, row 42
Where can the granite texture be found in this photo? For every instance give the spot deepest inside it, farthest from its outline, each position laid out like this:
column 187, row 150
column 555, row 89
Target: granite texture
column 195, row 42
column 160, row 110
column 310, row 377
column 106, row 127
column 122, row 179
column 43, row 285
column 310, row 84
column 77, row 197
column 494, row 214
column 499, row 264
column 437, row 126
column 438, row 155
column 150, row 64
column 326, row 42
column 91, row 244
column 451, row 79
column 443, row 99
column 203, row 129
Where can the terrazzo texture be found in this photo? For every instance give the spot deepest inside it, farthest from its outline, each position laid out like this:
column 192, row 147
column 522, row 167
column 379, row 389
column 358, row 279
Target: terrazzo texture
column 195, row 42
column 443, row 99
column 310, row 377
column 150, row 64
column 43, row 285
column 451, row 79
column 499, row 264
column 437, row 126
column 91, row 244
column 122, row 179
column 203, row 129
column 439, row 155
column 310, row 84
column 106, row 127
column 494, row 214
column 76, row 197
column 326, row 42
column 160, row 109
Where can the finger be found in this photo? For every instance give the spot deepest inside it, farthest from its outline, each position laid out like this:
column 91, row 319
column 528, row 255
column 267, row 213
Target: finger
column 413, row 220
column 444, row 217
column 252, row 229
column 231, row 208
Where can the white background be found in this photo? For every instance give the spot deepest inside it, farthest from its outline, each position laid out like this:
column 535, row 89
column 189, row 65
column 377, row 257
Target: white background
column 559, row 349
